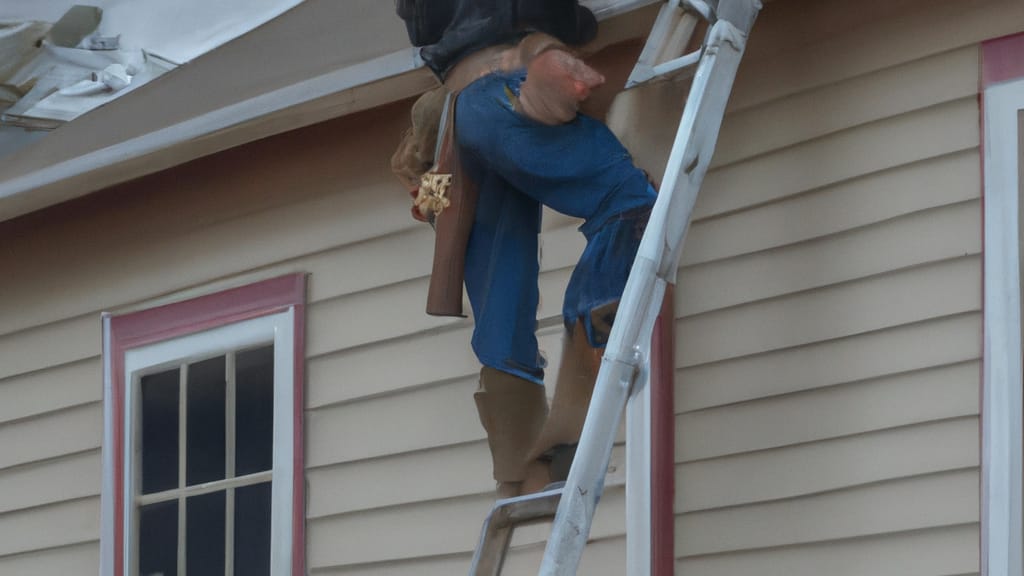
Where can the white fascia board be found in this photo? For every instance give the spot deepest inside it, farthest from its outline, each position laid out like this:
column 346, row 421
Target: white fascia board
column 69, row 179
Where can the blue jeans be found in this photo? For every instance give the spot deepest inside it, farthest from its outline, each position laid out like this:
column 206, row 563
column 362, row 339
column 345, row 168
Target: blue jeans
column 579, row 169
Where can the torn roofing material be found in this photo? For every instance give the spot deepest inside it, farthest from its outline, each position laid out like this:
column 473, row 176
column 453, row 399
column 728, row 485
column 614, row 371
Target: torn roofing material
column 52, row 71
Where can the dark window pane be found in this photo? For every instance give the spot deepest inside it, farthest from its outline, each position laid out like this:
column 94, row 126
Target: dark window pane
column 160, row 431
column 254, row 417
column 158, row 539
column 252, row 530
column 205, row 430
column 204, row 535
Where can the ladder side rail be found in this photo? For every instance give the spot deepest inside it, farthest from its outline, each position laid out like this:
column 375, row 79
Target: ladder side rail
column 663, row 25
column 699, row 130
column 655, row 61
column 655, row 265
column 505, row 516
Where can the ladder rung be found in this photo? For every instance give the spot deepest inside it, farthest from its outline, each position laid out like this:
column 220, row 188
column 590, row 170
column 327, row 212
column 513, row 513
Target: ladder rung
column 525, row 509
column 505, row 515
column 663, row 53
column 643, row 74
column 699, row 6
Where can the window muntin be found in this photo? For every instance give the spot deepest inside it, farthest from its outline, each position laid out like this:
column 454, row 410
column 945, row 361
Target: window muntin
column 195, row 421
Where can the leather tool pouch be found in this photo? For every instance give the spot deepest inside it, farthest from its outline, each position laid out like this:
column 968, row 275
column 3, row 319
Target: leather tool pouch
column 452, row 224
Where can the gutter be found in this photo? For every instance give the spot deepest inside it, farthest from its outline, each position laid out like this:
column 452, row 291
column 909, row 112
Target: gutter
column 138, row 156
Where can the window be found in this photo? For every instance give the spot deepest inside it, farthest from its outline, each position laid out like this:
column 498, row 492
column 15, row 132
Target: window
column 202, row 439
column 1003, row 85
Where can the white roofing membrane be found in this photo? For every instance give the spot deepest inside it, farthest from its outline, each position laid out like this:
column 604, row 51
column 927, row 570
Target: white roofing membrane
column 44, row 85
column 175, row 30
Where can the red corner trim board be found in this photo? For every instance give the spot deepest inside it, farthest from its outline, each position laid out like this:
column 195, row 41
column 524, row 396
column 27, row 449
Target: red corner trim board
column 663, row 475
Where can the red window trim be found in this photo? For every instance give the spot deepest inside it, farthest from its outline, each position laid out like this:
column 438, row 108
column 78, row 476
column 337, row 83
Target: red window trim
column 145, row 327
column 1001, row 61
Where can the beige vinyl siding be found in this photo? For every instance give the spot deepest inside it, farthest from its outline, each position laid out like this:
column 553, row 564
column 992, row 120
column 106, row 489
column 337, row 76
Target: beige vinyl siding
column 828, row 331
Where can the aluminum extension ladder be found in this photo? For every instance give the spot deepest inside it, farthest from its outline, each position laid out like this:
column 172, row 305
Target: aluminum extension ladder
column 623, row 366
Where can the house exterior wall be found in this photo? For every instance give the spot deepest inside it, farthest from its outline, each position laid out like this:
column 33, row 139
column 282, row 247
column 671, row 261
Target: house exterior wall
column 829, row 329
column 827, row 342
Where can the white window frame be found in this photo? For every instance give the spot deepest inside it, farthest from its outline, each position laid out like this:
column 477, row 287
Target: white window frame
column 1002, row 380
column 148, row 339
column 276, row 329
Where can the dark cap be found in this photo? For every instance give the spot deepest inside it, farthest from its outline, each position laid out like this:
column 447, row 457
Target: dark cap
column 476, row 24
column 563, row 19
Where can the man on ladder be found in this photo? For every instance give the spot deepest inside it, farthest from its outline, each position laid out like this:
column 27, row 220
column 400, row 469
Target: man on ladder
column 714, row 68
column 521, row 144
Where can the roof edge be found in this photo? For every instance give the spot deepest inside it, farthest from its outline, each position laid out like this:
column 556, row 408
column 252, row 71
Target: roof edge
column 161, row 149
column 42, row 182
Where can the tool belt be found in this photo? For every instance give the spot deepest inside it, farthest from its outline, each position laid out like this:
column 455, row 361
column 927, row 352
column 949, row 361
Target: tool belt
column 449, row 197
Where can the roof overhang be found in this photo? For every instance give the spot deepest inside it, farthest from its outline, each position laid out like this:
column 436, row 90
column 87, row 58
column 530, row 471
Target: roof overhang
column 365, row 63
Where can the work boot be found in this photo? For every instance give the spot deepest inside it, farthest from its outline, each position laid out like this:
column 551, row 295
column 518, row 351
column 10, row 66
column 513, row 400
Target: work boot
column 512, row 411
column 573, row 390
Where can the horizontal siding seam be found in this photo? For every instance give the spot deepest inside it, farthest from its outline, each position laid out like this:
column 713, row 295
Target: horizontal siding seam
column 48, row 413
column 833, row 386
column 817, row 493
column 820, row 543
column 392, row 455
column 43, row 325
column 543, row 323
column 7, row 379
column 432, row 331
column 396, row 506
column 37, row 551
column 835, row 339
column 753, row 105
column 611, row 482
column 843, row 233
column 24, row 465
column 963, row 416
column 831, row 184
column 805, row 291
column 448, row 556
column 394, row 562
column 407, row 281
column 21, row 419
column 883, row 120
column 38, row 507
column 391, row 392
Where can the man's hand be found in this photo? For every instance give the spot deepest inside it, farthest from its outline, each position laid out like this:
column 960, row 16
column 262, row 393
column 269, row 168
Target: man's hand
column 556, row 82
